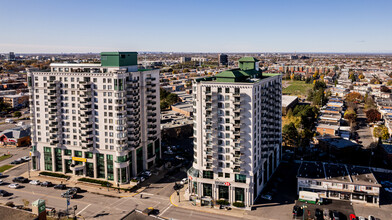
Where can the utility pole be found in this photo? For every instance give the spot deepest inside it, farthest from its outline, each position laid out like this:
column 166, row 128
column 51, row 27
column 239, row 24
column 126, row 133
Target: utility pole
column 28, row 167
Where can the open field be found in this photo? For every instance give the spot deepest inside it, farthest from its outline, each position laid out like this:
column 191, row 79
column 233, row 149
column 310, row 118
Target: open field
column 299, row 88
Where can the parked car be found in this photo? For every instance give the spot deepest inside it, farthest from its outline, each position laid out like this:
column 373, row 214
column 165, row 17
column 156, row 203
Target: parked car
column 69, row 193
column 371, row 217
column 335, row 215
column 76, row 189
column 4, row 193
column 361, row 218
column 318, row 214
column 20, row 179
column 1, row 182
column 326, row 214
column 18, row 161
column 147, row 173
column 184, row 181
column 297, row 211
column 9, row 120
column 1, row 175
column 35, row 182
column 388, row 189
column 46, row 184
column 60, row 186
column 267, row 196
column 353, row 217
column 26, row 158
column 14, row 186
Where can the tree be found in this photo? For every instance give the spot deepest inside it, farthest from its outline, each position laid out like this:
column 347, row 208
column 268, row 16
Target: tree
column 373, row 115
column 319, row 85
column 350, row 115
column 385, row 89
column 389, row 83
column 381, row 132
column 17, row 114
column 318, row 97
column 164, row 105
column 290, row 135
column 354, row 97
column 352, row 77
column 375, row 81
column 361, row 76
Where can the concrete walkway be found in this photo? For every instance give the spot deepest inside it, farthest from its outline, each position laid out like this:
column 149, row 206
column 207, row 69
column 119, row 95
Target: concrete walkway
column 183, row 202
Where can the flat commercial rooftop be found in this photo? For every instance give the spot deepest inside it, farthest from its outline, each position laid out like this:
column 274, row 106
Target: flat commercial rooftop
column 288, row 99
column 341, row 173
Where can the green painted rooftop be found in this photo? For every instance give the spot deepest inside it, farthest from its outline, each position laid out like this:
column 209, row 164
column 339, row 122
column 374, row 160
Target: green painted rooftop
column 248, row 59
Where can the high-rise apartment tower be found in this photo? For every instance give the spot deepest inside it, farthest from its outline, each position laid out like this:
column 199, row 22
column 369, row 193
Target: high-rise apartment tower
column 97, row 120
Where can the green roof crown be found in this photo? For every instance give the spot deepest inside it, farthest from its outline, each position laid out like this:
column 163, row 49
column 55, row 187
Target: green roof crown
column 116, row 59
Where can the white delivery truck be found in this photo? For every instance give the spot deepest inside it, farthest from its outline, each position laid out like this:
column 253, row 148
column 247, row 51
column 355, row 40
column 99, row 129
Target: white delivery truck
column 310, row 197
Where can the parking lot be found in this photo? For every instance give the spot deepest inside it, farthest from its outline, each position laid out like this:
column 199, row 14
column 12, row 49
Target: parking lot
column 342, row 207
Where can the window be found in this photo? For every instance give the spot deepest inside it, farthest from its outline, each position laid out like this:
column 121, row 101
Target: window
column 240, row 178
column 227, row 175
column 220, row 174
column 88, row 155
column 227, row 90
column 219, row 90
column 78, row 153
column 368, row 188
column 208, row 174
column 207, row 189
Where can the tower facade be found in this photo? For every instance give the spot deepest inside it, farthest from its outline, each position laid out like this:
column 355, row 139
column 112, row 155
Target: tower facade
column 95, row 120
column 237, row 134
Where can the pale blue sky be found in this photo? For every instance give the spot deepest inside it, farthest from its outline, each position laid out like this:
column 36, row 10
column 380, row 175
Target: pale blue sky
column 195, row 26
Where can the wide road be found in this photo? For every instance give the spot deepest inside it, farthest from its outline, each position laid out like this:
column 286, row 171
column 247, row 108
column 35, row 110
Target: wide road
column 16, row 153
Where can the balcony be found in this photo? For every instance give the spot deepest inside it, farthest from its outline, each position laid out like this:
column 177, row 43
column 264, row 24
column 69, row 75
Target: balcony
column 53, row 142
column 53, row 130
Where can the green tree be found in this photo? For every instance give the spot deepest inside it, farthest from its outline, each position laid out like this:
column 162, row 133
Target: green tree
column 164, row 105
column 290, row 135
column 381, row 132
column 17, row 114
column 319, row 98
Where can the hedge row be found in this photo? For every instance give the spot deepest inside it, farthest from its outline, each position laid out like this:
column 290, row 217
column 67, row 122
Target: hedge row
column 222, row 202
column 59, row 175
column 101, row 182
column 239, row 204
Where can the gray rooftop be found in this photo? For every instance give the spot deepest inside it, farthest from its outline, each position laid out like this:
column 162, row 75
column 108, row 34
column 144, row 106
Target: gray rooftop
column 288, row 99
column 341, row 173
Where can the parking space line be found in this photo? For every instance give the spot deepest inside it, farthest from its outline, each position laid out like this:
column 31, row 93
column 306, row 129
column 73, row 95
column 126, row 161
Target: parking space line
column 83, row 209
column 166, row 209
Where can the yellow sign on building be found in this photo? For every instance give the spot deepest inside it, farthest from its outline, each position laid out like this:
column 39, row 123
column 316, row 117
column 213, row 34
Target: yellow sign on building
column 79, row 159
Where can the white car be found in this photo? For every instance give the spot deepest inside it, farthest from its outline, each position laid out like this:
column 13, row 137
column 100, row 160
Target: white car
column 184, row 181
column 26, row 158
column 361, row 218
column 14, row 186
column 35, row 182
column 1, row 182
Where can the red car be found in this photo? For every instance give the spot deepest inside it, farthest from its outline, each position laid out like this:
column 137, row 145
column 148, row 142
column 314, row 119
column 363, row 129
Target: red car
column 353, row 217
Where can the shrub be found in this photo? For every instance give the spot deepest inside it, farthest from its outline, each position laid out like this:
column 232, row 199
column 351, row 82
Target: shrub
column 134, row 180
column 239, row 204
column 222, row 202
column 10, row 204
column 59, row 175
column 101, row 182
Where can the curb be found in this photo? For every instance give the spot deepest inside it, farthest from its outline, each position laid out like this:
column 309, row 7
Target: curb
column 14, row 167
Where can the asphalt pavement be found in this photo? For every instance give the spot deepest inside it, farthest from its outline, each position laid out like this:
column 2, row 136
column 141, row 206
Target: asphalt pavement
column 364, row 132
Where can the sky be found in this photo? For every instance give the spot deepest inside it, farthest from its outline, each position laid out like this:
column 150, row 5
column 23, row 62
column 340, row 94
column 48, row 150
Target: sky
column 81, row 26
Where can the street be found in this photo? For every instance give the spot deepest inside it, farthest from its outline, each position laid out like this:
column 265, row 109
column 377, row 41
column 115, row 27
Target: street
column 364, row 132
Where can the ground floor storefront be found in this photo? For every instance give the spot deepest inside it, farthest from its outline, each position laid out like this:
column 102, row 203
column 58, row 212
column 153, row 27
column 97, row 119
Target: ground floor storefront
column 119, row 167
column 358, row 197
column 217, row 193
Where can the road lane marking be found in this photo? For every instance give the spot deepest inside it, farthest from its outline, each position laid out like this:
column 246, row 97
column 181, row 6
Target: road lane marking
column 83, row 209
column 166, row 209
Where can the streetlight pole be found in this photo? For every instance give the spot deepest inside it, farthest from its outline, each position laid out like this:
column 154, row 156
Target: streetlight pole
column 28, row 167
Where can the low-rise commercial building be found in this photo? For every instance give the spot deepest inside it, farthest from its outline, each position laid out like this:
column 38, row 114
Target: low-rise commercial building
column 339, row 182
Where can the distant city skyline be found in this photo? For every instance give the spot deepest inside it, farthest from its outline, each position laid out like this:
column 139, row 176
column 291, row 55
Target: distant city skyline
column 202, row 26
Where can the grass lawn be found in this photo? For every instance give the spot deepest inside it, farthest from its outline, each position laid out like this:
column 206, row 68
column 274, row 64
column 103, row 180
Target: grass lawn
column 5, row 167
column 299, row 88
column 5, row 157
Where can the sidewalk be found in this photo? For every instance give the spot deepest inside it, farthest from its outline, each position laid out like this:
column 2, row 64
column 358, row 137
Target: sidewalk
column 186, row 204
column 89, row 187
